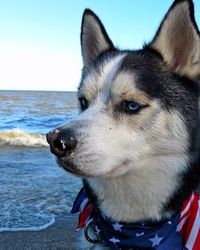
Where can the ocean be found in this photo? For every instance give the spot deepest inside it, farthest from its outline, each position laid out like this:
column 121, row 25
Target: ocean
column 33, row 189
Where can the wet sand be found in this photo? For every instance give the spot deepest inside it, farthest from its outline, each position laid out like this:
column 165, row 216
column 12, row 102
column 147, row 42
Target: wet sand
column 60, row 236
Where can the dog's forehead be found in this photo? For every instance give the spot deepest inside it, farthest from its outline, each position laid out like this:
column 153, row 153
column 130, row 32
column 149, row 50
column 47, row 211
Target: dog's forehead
column 99, row 77
column 106, row 76
column 112, row 75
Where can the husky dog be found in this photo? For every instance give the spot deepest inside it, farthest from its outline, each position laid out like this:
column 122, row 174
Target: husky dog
column 136, row 141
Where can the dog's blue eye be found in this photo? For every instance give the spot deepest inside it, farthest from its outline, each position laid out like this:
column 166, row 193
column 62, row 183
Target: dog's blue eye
column 133, row 107
column 83, row 103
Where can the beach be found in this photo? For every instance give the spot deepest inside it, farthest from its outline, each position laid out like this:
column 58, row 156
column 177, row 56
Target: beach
column 38, row 214
column 60, row 236
column 38, row 217
column 36, row 195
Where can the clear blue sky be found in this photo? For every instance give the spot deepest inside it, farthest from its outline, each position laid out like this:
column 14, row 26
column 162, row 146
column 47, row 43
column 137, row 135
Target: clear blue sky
column 40, row 39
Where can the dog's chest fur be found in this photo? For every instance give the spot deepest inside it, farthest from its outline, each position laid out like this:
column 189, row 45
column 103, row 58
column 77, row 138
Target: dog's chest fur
column 140, row 195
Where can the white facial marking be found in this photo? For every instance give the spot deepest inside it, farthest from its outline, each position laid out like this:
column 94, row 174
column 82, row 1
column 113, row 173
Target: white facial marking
column 109, row 72
column 95, row 82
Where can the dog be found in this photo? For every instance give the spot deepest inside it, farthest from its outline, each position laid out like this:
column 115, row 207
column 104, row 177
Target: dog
column 136, row 141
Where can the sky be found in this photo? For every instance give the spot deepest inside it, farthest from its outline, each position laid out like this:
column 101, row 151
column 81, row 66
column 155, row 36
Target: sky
column 40, row 39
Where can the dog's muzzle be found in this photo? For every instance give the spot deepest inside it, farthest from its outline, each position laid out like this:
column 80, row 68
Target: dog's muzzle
column 62, row 142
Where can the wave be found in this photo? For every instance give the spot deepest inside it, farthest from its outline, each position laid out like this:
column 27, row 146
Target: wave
column 17, row 137
column 33, row 228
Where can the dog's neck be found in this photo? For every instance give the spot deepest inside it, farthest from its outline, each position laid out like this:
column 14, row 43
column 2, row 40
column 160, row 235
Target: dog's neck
column 140, row 195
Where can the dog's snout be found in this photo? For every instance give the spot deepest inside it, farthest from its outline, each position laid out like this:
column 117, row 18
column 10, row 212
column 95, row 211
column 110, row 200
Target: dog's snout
column 61, row 142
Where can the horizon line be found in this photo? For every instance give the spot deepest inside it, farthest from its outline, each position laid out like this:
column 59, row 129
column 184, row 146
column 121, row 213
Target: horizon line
column 41, row 90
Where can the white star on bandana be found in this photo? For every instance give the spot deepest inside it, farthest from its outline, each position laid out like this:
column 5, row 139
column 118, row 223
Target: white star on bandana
column 114, row 240
column 156, row 240
column 117, row 227
column 139, row 234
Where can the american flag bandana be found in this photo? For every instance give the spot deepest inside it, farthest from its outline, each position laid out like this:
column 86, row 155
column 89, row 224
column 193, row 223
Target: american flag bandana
column 182, row 232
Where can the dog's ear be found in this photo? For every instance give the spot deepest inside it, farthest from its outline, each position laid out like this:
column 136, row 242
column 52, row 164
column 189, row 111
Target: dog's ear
column 178, row 40
column 94, row 39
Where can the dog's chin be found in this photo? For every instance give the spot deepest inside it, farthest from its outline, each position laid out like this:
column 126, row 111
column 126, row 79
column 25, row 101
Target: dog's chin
column 72, row 168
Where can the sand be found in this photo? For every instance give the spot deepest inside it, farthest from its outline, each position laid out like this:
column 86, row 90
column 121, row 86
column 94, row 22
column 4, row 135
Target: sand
column 60, row 236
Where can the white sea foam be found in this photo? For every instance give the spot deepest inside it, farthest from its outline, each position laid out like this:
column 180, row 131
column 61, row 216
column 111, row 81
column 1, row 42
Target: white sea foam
column 17, row 137
column 33, row 228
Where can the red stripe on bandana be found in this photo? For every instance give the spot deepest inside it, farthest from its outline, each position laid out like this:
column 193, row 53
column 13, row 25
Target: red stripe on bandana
column 85, row 215
column 189, row 223
column 197, row 243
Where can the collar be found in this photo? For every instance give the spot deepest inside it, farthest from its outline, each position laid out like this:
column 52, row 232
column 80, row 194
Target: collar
column 183, row 229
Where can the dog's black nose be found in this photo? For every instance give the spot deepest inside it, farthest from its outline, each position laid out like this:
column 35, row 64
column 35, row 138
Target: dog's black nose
column 61, row 142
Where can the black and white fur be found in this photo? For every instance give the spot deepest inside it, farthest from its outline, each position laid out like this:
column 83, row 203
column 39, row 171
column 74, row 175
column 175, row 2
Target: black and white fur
column 138, row 166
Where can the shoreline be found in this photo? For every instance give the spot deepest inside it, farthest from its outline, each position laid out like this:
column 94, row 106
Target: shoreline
column 59, row 236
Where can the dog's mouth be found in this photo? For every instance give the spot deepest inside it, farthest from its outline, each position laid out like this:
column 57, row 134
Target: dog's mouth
column 70, row 167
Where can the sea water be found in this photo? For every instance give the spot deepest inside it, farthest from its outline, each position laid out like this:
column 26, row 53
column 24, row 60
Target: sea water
column 33, row 189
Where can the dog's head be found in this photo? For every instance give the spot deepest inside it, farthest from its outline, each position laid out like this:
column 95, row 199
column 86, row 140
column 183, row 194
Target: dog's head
column 135, row 106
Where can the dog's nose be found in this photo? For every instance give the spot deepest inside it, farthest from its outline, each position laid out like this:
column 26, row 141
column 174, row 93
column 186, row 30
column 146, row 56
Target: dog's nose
column 61, row 142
